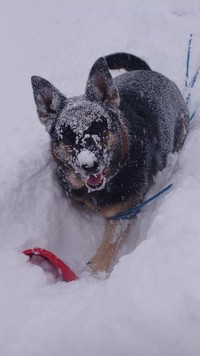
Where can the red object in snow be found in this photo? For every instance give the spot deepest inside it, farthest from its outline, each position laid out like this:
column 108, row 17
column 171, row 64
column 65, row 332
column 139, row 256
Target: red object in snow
column 67, row 274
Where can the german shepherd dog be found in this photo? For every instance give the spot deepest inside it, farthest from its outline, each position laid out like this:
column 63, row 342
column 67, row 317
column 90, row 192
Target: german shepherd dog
column 110, row 142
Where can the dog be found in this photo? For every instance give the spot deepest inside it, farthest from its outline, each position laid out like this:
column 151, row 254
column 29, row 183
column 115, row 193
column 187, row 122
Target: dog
column 109, row 143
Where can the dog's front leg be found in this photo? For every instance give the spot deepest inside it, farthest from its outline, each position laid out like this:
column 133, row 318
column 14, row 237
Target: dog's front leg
column 115, row 232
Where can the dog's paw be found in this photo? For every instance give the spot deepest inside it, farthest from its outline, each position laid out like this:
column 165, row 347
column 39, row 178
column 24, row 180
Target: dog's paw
column 98, row 264
column 96, row 272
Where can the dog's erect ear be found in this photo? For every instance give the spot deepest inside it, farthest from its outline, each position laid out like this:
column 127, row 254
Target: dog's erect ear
column 48, row 99
column 100, row 85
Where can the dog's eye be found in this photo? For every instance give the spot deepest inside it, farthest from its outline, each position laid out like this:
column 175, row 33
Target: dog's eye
column 69, row 137
column 98, row 127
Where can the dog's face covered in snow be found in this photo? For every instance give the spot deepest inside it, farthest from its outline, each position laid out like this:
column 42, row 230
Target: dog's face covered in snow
column 86, row 131
column 81, row 141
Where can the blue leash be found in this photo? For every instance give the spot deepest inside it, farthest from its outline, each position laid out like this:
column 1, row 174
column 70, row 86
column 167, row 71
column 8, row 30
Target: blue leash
column 190, row 84
column 130, row 213
column 188, row 61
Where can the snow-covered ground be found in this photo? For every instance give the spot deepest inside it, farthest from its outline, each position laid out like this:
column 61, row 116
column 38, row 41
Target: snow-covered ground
column 150, row 303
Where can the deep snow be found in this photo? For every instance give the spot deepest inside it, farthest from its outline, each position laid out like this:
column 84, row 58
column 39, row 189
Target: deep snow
column 150, row 303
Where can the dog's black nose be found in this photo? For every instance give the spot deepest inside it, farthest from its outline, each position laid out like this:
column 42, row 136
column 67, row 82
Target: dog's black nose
column 90, row 169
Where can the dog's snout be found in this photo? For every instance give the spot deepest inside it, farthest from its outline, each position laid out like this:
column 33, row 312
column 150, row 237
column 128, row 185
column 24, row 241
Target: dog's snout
column 88, row 161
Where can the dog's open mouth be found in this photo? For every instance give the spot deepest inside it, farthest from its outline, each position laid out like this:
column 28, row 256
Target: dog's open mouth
column 95, row 181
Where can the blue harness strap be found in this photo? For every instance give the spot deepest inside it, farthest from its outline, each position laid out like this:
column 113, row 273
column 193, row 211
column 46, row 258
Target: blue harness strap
column 130, row 213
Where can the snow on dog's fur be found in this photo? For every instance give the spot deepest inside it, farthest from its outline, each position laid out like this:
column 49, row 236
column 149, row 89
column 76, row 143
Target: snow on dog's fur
column 110, row 142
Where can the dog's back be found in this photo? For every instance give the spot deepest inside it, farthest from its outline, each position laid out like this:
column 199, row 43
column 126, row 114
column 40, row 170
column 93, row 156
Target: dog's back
column 155, row 114
column 151, row 101
column 150, row 96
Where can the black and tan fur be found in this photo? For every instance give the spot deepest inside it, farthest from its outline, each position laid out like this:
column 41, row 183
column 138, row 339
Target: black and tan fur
column 109, row 142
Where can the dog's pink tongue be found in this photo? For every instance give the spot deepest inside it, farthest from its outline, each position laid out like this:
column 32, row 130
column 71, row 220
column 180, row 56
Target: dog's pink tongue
column 95, row 180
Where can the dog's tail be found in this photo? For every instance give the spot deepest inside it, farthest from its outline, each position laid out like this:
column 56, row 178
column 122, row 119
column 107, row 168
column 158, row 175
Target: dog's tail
column 126, row 61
